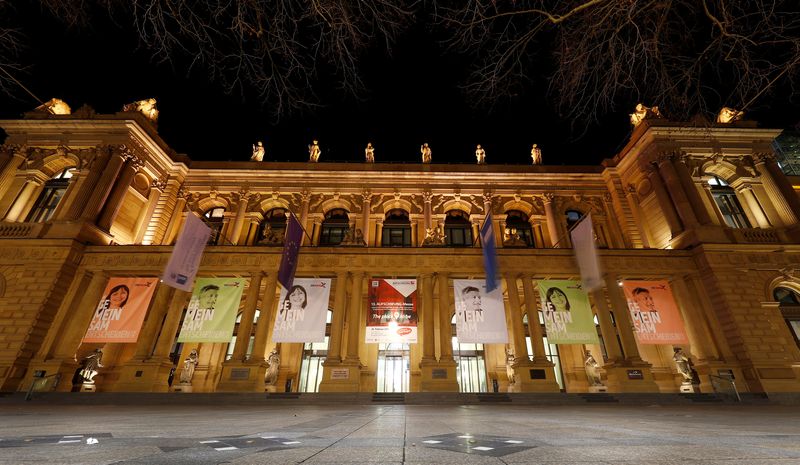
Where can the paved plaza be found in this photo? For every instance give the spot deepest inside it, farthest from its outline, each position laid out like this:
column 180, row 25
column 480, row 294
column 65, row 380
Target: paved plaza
column 39, row 433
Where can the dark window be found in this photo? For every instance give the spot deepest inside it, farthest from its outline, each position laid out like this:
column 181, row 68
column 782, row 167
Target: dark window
column 396, row 229
column 518, row 230
column 790, row 308
column 457, row 229
column 51, row 195
column 214, row 219
column 786, row 296
column 573, row 216
column 273, row 227
column 334, row 227
column 728, row 203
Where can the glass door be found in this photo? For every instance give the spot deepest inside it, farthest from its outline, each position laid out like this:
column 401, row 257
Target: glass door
column 393, row 367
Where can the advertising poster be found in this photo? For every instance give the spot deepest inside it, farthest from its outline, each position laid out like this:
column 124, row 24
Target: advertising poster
column 567, row 313
column 302, row 310
column 392, row 311
column 654, row 313
column 120, row 313
column 480, row 315
column 212, row 310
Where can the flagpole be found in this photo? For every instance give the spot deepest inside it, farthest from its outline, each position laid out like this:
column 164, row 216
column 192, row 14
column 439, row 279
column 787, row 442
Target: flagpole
column 301, row 227
column 569, row 230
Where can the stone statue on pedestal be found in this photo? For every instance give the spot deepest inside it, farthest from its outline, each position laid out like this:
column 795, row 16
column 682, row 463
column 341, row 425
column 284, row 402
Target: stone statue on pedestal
column 268, row 236
column 147, row 107
column 592, row 370
column 55, row 106
column 684, row 365
column 510, row 367
column 480, row 155
column 434, row 236
column 536, row 155
column 369, row 153
column 258, row 152
column 642, row 113
column 274, row 360
column 188, row 367
column 729, row 115
column 314, row 152
column 427, row 155
column 89, row 366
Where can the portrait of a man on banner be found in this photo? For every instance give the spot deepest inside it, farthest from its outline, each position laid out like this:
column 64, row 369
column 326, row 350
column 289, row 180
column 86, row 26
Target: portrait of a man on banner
column 120, row 313
column 567, row 314
column 212, row 310
column 480, row 315
column 654, row 313
column 302, row 311
column 392, row 312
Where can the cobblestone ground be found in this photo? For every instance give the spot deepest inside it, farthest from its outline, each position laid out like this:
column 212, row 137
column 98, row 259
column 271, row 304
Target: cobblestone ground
column 504, row 434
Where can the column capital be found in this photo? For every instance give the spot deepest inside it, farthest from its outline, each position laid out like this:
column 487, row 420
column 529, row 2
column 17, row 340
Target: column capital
column 159, row 183
column 366, row 195
column 427, row 196
column 547, row 197
column 763, row 157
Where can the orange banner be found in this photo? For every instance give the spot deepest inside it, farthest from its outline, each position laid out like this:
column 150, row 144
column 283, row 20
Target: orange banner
column 655, row 315
column 120, row 313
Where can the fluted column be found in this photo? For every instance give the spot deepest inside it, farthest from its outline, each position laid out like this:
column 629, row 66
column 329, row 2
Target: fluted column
column 446, row 341
column 170, row 328
column 692, row 194
column 114, row 203
column 515, row 314
column 675, row 191
column 18, row 155
column 156, row 188
column 266, row 320
column 779, row 189
column 534, row 327
column 624, row 322
column 105, row 183
column 25, row 199
column 427, row 197
column 337, row 322
column 552, row 225
column 613, row 351
column 354, row 316
column 81, row 317
column 366, row 205
column 428, row 343
column 248, row 314
column 158, row 309
column 238, row 221
column 638, row 216
column 667, row 207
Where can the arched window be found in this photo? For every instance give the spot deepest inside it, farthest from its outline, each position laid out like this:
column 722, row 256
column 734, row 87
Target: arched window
column 790, row 309
column 214, row 219
column 728, row 203
column 273, row 227
column 334, row 227
column 518, row 231
column 457, row 229
column 396, row 229
column 51, row 195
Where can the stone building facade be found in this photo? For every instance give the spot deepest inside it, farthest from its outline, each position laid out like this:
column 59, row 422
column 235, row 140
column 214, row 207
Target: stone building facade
column 85, row 197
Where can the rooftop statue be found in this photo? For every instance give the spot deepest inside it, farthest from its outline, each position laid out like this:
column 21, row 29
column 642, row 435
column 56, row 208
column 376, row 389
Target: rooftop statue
column 729, row 115
column 536, row 155
column 642, row 113
column 480, row 155
column 258, row 152
column 314, row 152
column 369, row 153
column 425, row 149
column 55, row 106
column 147, row 107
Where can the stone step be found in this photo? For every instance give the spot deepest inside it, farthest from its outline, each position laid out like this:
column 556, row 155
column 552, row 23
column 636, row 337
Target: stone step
column 389, row 397
column 608, row 398
column 494, row 397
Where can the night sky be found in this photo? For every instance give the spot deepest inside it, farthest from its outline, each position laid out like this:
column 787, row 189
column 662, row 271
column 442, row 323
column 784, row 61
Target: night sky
column 413, row 97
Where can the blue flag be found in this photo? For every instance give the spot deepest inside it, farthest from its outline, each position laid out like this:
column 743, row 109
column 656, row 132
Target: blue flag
column 489, row 253
column 291, row 248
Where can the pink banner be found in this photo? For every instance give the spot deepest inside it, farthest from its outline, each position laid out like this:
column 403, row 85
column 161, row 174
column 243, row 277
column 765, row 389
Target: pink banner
column 119, row 315
column 655, row 315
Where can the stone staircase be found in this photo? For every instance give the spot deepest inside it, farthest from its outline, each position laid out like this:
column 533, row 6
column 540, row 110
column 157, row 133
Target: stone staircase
column 389, row 397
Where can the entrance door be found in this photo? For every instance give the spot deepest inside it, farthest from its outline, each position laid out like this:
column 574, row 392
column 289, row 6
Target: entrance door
column 393, row 367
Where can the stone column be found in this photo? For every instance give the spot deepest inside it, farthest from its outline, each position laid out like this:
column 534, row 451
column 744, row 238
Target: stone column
column 354, row 317
column 82, row 315
column 248, row 314
column 515, row 315
column 427, row 197
column 366, row 198
column 305, row 197
column 114, row 203
column 445, row 328
column 710, row 199
column 778, row 188
column 534, row 327
column 156, row 188
column 745, row 191
column 105, row 183
column 552, row 225
column 638, row 216
column 664, row 201
column 317, row 231
column 238, row 221
column 86, row 187
column 176, row 217
column 337, row 322
column 167, row 337
column 476, row 232
column 692, row 194
column 144, row 346
column 613, row 352
column 699, row 337
column 623, row 316
column 25, row 199
column 675, row 191
column 487, row 202
column 437, row 376
column 428, row 342
column 18, row 155
column 379, row 235
column 266, row 320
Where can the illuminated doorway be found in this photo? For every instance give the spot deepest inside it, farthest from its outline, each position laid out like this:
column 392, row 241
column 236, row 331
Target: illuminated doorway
column 470, row 364
column 314, row 353
column 393, row 367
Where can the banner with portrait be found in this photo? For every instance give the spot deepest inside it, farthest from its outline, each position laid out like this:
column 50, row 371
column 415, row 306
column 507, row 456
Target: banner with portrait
column 654, row 313
column 567, row 313
column 392, row 312
column 302, row 311
column 120, row 313
column 212, row 310
column 480, row 315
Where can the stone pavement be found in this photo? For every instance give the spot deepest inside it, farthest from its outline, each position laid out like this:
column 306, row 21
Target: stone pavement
column 37, row 433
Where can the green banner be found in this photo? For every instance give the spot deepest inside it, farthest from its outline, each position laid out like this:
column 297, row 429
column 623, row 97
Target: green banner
column 211, row 314
column 567, row 313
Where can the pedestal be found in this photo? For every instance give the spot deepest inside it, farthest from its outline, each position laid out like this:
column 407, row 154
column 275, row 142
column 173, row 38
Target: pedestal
column 689, row 388
column 88, row 387
column 144, row 376
column 630, row 377
column 533, row 376
column 242, row 377
column 182, row 387
column 340, row 377
column 596, row 389
column 63, row 369
column 270, row 388
column 438, row 377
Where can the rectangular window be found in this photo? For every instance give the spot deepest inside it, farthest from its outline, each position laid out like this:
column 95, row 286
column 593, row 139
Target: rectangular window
column 396, row 237
column 47, row 202
column 332, row 235
column 458, row 237
column 731, row 210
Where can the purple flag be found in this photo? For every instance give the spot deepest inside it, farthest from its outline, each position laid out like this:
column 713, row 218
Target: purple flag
column 291, row 248
column 489, row 253
column 186, row 255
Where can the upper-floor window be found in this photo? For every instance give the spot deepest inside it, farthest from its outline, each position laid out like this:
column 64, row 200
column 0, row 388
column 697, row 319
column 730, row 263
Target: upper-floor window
column 273, row 227
column 51, row 195
column 790, row 309
column 396, row 229
column 728, row 203
column 457, row 229
column 214, row 219
column 334, row 227
column 573, row 216
column 518, row 230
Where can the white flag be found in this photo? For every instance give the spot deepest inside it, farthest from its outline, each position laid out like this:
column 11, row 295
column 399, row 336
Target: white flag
column 185, row 258
column 586, row 254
